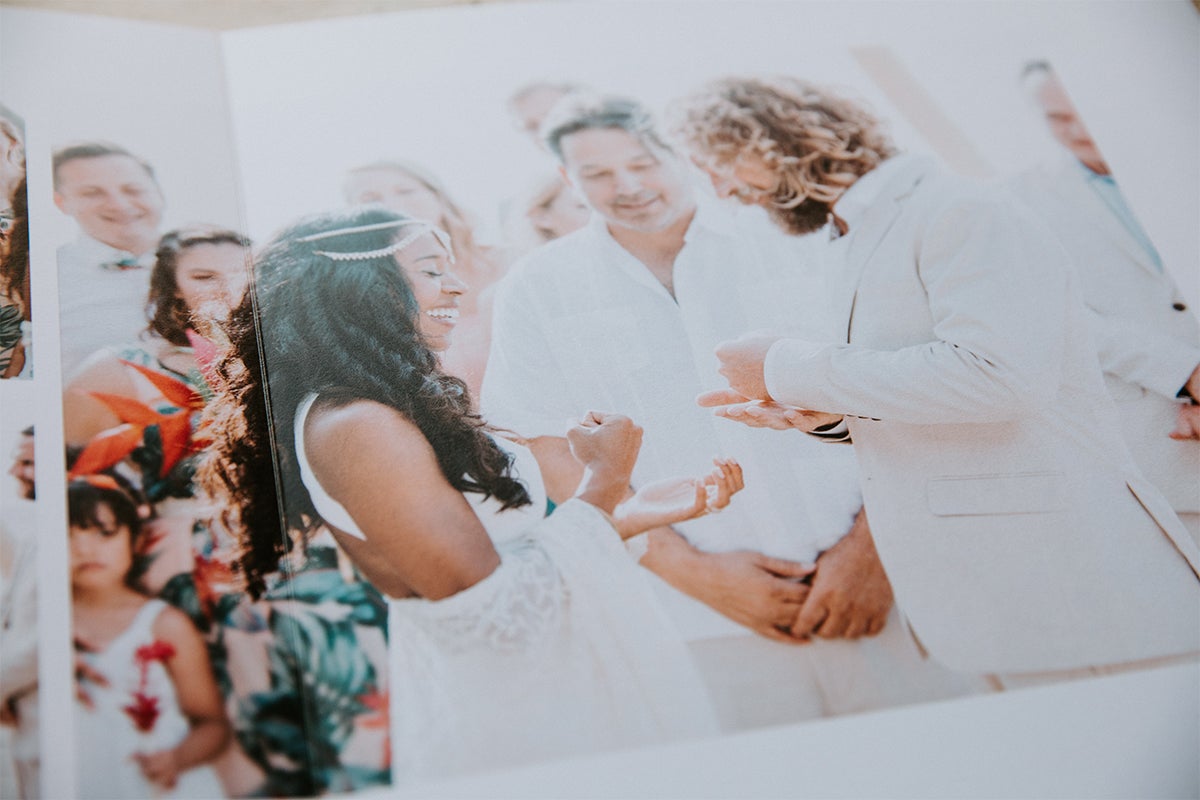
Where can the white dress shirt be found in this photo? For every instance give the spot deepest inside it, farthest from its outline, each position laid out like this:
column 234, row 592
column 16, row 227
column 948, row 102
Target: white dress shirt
column 581, row 325
column 100, row 304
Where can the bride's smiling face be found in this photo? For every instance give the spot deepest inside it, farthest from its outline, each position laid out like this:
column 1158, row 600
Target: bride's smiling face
column 427, row 266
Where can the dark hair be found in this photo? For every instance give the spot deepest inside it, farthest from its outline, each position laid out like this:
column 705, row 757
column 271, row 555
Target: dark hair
column 14, row 268
column 80, row 150
column 166, row 312
column 583, row 111
column 346, row 330
column 86, row 495
column 27, row 431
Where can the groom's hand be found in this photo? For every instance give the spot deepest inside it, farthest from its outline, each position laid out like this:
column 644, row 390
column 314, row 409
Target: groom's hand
column 742, row 363
column 851, row 595
column 763, row 413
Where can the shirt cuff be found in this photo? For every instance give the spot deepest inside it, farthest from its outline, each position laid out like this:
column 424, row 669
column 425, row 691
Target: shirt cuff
column 776, row 369
column 833, row 432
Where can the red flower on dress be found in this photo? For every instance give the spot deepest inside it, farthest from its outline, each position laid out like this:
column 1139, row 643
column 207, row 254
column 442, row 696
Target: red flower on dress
column 144, row 709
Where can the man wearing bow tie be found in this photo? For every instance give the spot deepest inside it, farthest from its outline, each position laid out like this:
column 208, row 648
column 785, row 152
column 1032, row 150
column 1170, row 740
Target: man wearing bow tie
column 1020, row 538
column 104, row 274
column 1149, row 339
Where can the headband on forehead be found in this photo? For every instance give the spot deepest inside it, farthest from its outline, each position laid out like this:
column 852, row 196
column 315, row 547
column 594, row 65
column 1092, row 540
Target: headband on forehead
column 422, row 227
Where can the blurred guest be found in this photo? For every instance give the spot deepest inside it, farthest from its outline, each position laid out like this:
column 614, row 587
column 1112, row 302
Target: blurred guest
column 22, row 465
column 15, row 310
column 198, row 274
column 154, row 725
column 18, row 623
column 1149, row 340
column 12, row 153
column 407, row 189
column 549, row 210
column 115, row 199
column 530, row 104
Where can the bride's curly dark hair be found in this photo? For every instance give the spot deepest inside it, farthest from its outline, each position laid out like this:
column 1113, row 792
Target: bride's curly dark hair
column 346, row 330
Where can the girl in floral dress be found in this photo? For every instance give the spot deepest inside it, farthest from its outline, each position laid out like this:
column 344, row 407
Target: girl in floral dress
column 149, row 717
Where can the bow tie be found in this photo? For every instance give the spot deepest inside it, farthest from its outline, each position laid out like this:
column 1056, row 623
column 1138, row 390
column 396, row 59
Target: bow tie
column 122, row 264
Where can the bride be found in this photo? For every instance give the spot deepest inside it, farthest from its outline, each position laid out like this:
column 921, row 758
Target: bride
column 513, row 636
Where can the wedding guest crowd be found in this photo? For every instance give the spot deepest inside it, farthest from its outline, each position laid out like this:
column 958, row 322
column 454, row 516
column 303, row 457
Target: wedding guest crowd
column 670, row 462
column 141, row 314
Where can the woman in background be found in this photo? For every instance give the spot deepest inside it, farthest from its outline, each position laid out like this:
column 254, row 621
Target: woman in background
column 157, row 384
column 549, row 210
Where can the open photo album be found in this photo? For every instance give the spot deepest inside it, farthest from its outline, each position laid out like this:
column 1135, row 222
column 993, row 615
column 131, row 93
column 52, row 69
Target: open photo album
column 601, row 399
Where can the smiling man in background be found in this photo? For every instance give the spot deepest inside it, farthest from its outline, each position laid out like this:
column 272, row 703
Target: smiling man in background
column 103, row 282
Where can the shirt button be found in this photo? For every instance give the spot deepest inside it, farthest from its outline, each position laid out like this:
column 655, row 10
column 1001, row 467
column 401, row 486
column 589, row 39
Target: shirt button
column 1179, row 306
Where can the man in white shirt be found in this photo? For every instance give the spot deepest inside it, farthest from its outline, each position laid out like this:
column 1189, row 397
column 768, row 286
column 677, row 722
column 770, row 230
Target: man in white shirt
column 104, row 274
column 1148, row 338
column 623, row 316
column 1019, row 536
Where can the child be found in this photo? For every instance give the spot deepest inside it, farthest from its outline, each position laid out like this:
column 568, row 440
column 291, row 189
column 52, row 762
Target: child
column 150, row 714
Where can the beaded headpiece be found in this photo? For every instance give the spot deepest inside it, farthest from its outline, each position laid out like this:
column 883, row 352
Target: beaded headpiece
column 422, row 227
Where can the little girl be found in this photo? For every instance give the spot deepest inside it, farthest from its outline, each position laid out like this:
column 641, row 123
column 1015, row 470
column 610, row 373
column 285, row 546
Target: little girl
column 150, row 716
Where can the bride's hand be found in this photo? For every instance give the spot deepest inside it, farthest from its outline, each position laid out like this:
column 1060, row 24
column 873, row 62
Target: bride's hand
column 674, row 500
column 607, row 446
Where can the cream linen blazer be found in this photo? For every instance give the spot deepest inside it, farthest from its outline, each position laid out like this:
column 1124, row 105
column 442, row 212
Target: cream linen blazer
column 1148, row 339
column 1016, row 530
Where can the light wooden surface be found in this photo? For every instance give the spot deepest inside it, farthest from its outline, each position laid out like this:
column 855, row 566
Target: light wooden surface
column 230, row 14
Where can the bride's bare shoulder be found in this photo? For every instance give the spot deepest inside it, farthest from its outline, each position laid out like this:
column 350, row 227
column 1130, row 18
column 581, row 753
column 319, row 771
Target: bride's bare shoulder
column 362, row 431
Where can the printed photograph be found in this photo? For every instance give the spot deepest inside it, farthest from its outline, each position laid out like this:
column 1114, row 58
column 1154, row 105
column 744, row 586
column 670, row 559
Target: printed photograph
column 424, row 420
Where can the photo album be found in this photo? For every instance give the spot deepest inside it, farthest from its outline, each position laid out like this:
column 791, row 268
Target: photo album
column 602, row 399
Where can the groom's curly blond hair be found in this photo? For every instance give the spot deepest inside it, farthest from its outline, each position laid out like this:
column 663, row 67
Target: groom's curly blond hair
column 815, row 142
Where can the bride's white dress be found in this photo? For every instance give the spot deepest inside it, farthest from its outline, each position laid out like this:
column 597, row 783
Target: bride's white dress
column 562, row 650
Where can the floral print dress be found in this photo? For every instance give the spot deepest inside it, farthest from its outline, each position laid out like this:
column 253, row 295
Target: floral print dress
column 303, row 670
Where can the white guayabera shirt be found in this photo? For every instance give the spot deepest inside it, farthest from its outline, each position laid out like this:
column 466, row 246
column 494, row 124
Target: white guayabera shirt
column 581, row 325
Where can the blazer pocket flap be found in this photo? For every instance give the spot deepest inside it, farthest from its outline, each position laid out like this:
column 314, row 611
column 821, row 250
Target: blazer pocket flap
column 977, row 495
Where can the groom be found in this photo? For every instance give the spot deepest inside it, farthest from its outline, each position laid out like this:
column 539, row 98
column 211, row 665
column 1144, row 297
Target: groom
column 1018, row 535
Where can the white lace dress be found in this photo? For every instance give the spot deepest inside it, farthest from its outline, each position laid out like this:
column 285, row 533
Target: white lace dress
column 562, row 650
column 136, row 713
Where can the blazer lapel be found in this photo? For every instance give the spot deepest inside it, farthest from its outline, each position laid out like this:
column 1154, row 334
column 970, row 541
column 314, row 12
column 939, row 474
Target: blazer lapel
column 866, row 237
